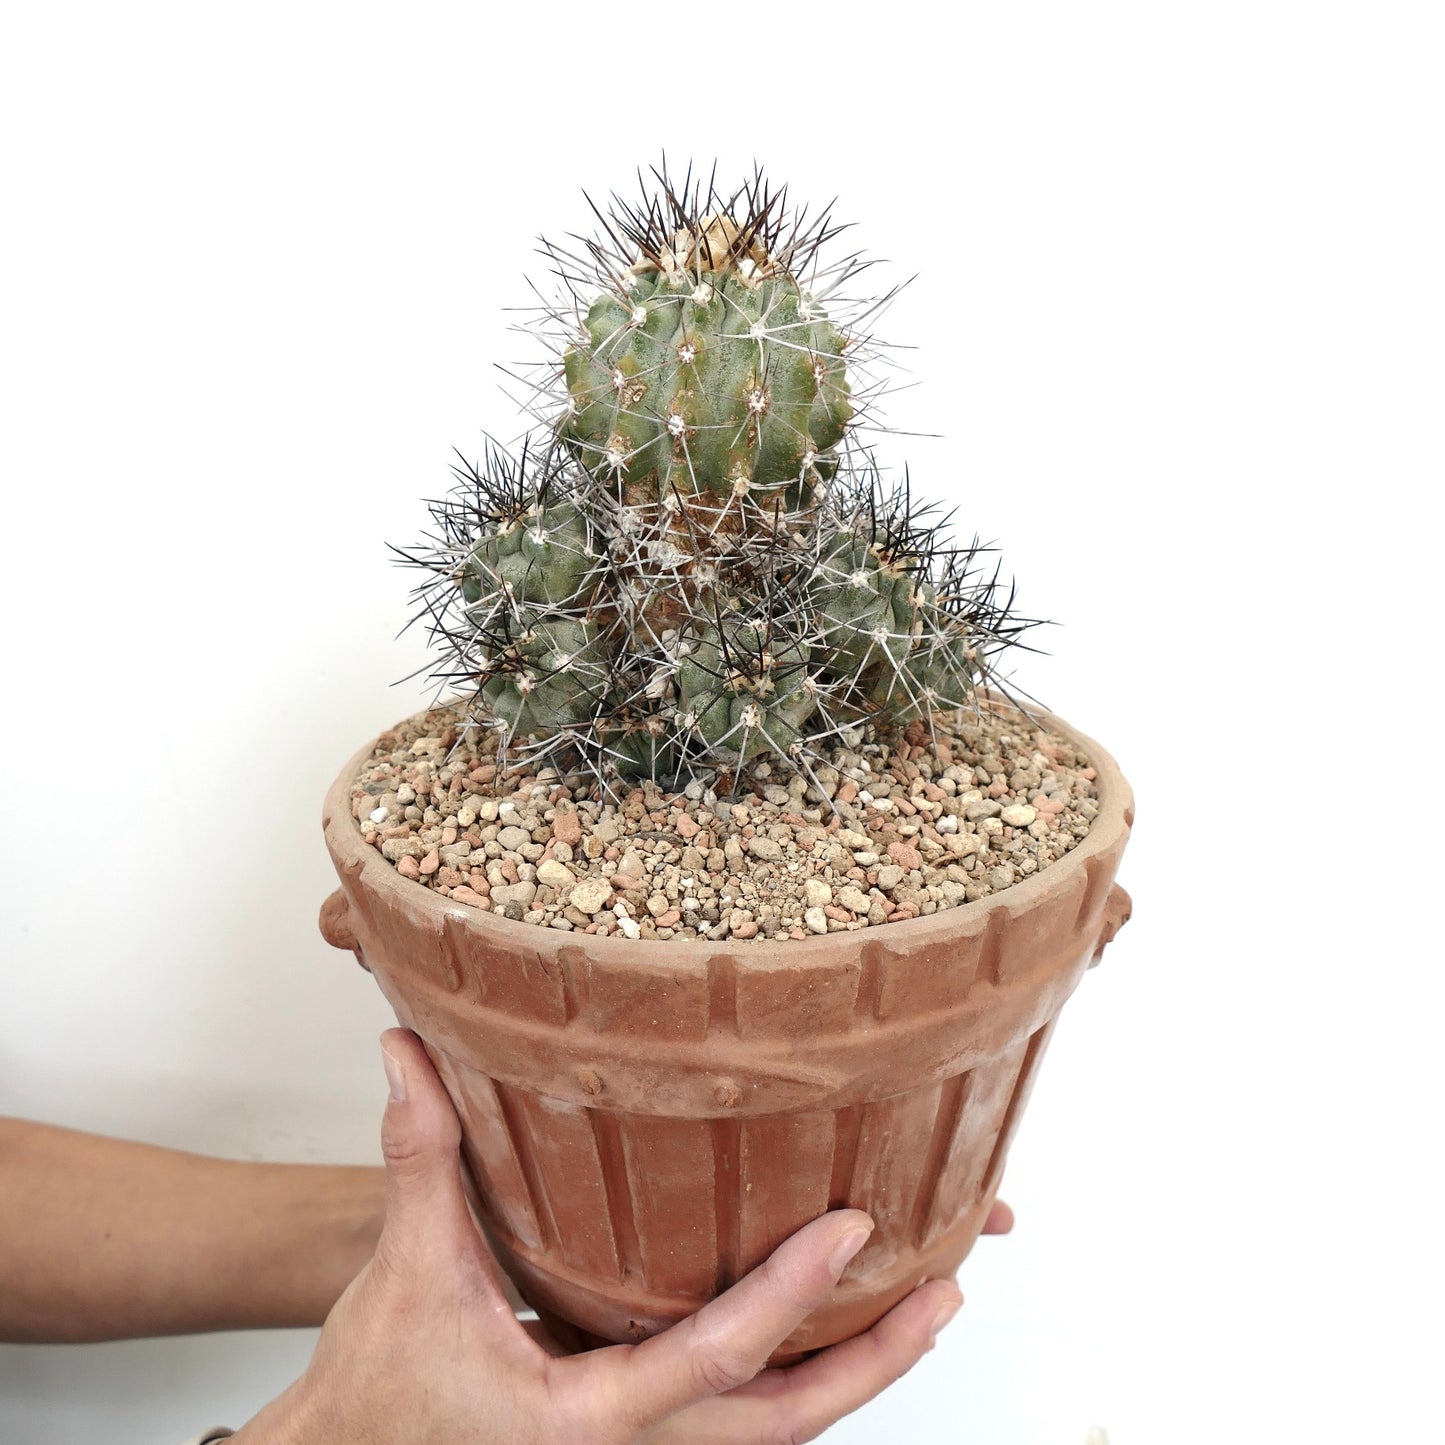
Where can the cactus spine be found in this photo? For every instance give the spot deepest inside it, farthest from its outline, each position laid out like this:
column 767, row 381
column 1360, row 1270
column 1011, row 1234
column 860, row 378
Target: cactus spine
column 691, row 563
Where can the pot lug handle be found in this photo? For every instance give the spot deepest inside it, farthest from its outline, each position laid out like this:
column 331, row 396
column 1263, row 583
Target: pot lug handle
column 336, row 929
column 1118, row 909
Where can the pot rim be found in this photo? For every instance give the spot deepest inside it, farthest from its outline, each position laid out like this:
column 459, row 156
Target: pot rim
column 361, row 862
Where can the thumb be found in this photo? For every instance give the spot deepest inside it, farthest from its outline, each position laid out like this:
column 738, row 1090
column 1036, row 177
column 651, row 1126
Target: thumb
column 420, row 1142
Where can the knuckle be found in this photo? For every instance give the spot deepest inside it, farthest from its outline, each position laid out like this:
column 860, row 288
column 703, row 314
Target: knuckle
column 794, row 1432
column 785, row 1281
column 720, row 1370
column 776, row 1273
column 403, row 1151
column 397, row 1144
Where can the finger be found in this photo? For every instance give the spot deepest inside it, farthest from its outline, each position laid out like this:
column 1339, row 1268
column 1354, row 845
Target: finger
column 431, row 1253
column 1000, row 1219
column 420, row 1138
column 801, row 1401
column 728, row 1341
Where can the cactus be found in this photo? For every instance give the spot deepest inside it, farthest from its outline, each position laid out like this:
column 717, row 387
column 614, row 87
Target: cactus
column 704, row 378
column 693, row 562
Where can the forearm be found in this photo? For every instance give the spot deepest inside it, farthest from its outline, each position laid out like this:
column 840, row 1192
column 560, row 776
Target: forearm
column 106, row 1239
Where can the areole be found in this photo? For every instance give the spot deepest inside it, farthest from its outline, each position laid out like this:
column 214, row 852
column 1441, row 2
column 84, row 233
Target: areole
column 644, row 1122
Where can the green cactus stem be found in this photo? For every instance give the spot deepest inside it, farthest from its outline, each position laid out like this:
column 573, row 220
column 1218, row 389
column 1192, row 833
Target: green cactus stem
column 708, row 381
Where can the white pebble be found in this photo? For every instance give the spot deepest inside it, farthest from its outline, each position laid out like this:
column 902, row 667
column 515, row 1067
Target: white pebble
column 817, row 893
column 816, row 920
column 591, row 895
column 947, row 824
column 378, row 815
column 630, row 927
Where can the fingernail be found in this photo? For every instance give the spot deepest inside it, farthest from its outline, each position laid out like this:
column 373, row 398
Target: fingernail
column 945, row 1313
column 394, row 1076
column 848, row 1246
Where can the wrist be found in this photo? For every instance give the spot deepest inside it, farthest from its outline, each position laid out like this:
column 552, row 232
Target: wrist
column 300, row 1415
column 348, row 1232
column 314, row 1227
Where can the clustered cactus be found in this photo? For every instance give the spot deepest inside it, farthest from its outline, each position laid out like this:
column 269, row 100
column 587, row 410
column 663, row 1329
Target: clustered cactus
column 690, row 561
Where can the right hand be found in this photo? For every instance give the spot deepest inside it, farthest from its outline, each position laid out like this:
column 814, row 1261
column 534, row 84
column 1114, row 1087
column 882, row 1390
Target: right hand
column 424, row 1346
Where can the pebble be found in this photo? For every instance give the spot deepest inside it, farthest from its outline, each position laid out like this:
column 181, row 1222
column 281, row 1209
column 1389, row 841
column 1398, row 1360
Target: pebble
column 984, row 804
column 554, row 874
column 592, row 895
column 522, row 893
column 817, row 893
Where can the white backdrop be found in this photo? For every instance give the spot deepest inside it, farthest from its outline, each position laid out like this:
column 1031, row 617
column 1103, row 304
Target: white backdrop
column 1178, row 325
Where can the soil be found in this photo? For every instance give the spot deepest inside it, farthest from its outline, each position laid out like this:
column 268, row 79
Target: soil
column 889, row 830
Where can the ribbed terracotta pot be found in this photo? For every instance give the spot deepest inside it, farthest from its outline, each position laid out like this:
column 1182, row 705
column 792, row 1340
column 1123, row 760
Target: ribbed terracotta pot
column 644, row 1122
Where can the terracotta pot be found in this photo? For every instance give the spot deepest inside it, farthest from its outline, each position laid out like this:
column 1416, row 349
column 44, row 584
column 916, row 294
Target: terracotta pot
column 644, row 1122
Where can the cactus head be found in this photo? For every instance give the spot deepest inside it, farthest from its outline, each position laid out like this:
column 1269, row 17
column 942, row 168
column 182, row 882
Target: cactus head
column 865, row 610
column 698, row 356
column 708, row 381
column 540, row 556
column 546, row 679
column 743, row 690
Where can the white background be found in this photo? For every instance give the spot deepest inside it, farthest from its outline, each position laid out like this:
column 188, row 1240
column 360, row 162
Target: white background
column 1178, row 322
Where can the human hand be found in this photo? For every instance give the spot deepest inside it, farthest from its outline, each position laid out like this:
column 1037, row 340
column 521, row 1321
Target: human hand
column 424, row 1346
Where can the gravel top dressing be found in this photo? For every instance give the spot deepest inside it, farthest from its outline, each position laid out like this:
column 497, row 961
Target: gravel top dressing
column 933, row 821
